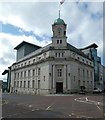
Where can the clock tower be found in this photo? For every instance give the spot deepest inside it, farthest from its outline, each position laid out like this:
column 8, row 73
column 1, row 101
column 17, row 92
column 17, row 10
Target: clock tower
column 59, row 38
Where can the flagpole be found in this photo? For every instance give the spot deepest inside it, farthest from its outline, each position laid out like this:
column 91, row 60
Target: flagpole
column 59, row 9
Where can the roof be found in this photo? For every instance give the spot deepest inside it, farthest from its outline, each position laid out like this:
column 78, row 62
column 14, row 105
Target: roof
column 90, row 46
column 59, row 21
column 24, row 43
column 50, row 47
column 5, row 71
column 78, row 51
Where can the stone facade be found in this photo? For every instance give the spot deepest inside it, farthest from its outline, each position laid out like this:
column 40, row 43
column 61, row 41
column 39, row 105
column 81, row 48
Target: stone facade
column 56, row 68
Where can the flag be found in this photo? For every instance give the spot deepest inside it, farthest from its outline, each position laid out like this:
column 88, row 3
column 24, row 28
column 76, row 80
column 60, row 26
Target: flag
column 62, row 1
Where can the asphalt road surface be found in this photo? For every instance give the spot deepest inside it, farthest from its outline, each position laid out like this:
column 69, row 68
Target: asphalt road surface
column 52, row 106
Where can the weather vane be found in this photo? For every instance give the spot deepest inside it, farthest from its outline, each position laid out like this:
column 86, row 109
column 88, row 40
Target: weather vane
column 61, row 2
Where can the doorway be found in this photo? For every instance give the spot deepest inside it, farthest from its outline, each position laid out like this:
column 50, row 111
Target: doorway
column 59, row 87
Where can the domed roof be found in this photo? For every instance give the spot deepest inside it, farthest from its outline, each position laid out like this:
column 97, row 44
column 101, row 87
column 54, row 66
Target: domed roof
column 59, row 21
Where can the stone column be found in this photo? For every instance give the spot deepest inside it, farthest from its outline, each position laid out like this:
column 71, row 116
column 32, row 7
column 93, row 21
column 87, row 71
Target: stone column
column 54, row 79
column 65, row 78
column 68, row 76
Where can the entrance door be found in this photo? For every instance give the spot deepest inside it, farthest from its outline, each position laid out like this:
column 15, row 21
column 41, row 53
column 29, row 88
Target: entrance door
column 59, row 87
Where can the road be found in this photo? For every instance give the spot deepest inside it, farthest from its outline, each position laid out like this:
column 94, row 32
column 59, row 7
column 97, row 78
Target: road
column 52, row 106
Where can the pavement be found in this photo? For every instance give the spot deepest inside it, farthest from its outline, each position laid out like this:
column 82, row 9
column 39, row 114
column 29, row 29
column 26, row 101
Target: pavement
column 52, row 106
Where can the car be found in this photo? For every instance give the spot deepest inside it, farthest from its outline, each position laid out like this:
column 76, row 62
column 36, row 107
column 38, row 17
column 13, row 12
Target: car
column 97, row 90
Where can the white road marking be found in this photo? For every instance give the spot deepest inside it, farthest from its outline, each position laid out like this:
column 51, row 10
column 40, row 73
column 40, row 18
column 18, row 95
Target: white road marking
column 49, row 106
column 86, row 100
column 30, row 106
column 98, row 107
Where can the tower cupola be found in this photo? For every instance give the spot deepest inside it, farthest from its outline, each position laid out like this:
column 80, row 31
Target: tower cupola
column 59, row 38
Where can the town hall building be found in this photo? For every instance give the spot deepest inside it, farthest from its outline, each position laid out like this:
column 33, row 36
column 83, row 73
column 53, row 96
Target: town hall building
column 58, row 67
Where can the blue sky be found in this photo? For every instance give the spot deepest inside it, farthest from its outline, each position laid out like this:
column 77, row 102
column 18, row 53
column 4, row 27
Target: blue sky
column 32, row 22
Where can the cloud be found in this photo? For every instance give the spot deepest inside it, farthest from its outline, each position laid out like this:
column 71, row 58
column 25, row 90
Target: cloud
column 35, row 19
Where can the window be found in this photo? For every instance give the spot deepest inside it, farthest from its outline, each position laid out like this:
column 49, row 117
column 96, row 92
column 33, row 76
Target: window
column 33, row 84
column 78, row 58
column 83, row 60
column 57, row 41
column 17, row 83
column 28, row 62
column 91, row 74
column 25, row 63
column 87, row 83
column 20, row 83
column 60, row 41
column 28, row 84
column 24, row 73
column 79, row 71
column 56, row 54
column 83, row 72
column 59, row 72
column 38, row 84
column 33, row 72
column 18, row 75
column 28, row 73
column 87, row 73
column 64, row 32
column 21, row 65
column 33, row 60
column 38, row 71
column 21, row 74
column 44, row 78
column 59, row 54
column 79, row 83
column 62, row 54
column 15, row 76
column 24, row 84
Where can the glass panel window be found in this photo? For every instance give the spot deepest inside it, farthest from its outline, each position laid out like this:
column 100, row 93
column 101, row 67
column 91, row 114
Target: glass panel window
column 59, row 72
column 60, row 41
column 59, row 54
column 18, row 75
column 21, row 74
column 33, row 72
column 38, row 84
column 24, row 84
column 15, row 76
column 17, row 83
column 33, row 84
column 24, row 73
column 33, row 60
column 28, row 73
column 38, row 71
column 28, row 84
column 83, row 72
column 62, row 54
column 20, row 83
column 57, row 41
column 56, row 54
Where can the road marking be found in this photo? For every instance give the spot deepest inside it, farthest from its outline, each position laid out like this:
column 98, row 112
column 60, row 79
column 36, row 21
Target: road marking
column 49, row 106
column 30, row 106
column 86, row 100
